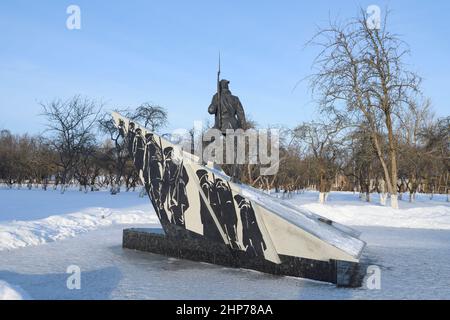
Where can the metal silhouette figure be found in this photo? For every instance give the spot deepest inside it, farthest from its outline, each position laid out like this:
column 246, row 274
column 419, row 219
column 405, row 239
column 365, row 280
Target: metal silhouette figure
column 121, row 128
column 153, row 163
column 153, row 168
column 252, row 237
column 130, row 138
column 173, row 191
column 227, row 211
column 138, row 150
column 210, row 230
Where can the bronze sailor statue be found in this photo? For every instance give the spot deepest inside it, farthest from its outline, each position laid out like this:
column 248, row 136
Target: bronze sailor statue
column 229, row 115
column 227, row 108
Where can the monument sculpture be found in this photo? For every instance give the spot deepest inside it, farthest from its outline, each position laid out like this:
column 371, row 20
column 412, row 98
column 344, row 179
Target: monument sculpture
column 206, row 216
column 228, row 115
column 227, row 108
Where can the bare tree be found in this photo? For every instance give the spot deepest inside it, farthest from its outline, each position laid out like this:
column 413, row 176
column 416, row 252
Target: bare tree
column 412, row 154
column 361, row 74
column 152, row 116
column 437, row 147
column 119, row 154
column 88, row 167
column 322, row 141
column 25, row 159
column 362, row 165
column 40, row 160
column 70, row 124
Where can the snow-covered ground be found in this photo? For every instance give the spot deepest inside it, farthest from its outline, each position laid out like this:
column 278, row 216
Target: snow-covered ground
column 346, row 208
column 53, row 231
column 33, row 217
column 7, row 292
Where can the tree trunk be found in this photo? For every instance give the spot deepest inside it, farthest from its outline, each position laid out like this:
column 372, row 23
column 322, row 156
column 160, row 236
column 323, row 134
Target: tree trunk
column 322, row 197
column 394, row 201
column 382, row 189
column 447, row 188
column 383, row 197
column 387, row 176
column 393, row 158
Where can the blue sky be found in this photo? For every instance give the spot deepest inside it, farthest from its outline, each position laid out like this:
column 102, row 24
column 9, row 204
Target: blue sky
column 129, row 52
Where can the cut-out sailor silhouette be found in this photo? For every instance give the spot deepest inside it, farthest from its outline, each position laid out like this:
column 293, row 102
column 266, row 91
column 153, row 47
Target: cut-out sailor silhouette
column 153, row 163
column 251, row 235
column 153, row 167
column 173, row 190
column 130, row 138
column 228, row 216
column 138, row 150
column 210, row 230
column 121, row 128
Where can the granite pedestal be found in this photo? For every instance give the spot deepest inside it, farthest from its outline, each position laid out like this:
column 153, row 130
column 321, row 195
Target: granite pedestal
column 341, row 273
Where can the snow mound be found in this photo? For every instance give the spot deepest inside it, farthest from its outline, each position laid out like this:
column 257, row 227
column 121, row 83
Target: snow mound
column 437, row 217
column 8, row 292
column 18, row 234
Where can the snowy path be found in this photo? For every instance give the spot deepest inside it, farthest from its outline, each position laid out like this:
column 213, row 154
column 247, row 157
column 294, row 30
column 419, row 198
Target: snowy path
column 415, row 263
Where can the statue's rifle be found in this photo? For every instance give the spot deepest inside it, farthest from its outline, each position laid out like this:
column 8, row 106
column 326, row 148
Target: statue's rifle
column 219, row 100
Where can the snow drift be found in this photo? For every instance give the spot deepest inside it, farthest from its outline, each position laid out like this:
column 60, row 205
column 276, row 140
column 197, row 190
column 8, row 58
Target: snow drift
column 8, row 292
column 18, row 234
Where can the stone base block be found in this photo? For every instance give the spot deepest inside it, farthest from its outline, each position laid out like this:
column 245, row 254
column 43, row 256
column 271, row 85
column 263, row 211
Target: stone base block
column 341, row 273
